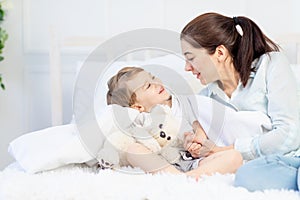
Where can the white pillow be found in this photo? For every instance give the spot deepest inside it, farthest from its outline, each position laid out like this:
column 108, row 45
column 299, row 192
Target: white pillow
column 61, row 145
column 48, row 149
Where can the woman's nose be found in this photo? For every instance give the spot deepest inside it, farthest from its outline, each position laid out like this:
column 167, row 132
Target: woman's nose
column 188, row 66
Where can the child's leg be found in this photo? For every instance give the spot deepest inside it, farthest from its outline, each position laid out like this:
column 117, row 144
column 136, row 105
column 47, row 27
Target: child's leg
column 140, row 156
column 222, row 162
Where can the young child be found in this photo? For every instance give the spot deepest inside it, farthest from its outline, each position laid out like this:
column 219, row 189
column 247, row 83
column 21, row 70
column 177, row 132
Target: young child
column 133, row 87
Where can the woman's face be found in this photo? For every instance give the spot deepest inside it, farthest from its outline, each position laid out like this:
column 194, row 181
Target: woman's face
column 200, row 63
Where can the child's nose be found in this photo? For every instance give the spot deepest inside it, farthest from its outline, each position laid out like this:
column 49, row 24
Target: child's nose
column 156, row 84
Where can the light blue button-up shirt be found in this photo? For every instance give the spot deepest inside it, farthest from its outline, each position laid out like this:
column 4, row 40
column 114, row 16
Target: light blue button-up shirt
column 272, row 90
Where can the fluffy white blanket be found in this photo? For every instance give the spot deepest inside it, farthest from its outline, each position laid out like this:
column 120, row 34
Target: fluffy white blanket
column 77, row 182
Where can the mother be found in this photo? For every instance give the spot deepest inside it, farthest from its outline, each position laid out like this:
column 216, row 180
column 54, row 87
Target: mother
column 244, row 69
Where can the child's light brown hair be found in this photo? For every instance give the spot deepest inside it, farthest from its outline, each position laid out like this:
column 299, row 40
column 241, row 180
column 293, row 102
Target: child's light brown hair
column 118, row 93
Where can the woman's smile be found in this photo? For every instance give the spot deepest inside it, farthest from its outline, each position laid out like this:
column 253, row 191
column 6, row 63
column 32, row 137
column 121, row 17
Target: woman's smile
column 197, row 74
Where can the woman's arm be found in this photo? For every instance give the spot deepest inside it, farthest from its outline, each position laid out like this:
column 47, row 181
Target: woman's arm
column 199, row 145
column 282, row 108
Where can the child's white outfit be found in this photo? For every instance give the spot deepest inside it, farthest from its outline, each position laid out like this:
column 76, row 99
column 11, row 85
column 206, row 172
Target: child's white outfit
column 222, row 124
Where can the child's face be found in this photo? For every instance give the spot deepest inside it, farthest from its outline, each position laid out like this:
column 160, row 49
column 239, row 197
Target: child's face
column 149, row 91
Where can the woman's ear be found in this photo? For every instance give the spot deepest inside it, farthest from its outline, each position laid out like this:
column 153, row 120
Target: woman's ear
column 138, row 107
column 221, row 53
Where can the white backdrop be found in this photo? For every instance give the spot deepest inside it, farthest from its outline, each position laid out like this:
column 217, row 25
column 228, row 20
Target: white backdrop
column 25, row 105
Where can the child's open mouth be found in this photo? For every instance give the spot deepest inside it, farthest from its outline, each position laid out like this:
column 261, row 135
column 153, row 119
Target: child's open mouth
column 161, row 90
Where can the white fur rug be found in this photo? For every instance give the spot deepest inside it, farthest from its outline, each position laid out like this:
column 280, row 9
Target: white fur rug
column 75, row 182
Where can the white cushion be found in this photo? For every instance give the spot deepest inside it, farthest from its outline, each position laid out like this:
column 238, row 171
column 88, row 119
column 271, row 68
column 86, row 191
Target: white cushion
column 58, row 146
column 48, row 149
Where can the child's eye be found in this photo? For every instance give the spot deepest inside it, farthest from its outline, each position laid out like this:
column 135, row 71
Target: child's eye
column 148, row 86
column 153, row 77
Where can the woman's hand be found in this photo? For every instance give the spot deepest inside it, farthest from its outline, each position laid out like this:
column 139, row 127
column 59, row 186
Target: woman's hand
column 206, row 149
column 198, row 136
column 199, row 145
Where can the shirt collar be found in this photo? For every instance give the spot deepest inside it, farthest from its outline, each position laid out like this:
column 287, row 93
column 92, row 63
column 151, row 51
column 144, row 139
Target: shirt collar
column 252, row 75
column 214, row 89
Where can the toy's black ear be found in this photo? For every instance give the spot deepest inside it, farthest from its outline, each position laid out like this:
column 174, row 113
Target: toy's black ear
column 160, row 126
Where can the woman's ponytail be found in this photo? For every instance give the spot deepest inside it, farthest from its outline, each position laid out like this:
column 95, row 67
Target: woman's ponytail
column 251, row 45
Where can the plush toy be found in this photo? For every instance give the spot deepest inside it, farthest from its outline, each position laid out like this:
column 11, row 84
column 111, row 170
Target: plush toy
column 157, row 130
column 113, row 153
column 163, row 131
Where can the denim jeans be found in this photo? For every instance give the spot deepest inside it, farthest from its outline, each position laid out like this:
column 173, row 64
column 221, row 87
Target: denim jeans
column 269, row 172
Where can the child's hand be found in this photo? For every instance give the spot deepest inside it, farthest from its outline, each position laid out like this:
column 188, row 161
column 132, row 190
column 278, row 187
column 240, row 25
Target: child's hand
column 190, row 143
column 197, row 143
column 198, row 150
column 195, row 150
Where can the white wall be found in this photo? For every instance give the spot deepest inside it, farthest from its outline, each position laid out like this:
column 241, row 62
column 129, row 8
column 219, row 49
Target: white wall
column 12, row 68
column 25, row 105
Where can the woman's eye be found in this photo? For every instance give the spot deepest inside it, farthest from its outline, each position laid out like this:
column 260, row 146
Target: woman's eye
column 190, row 59
column 153, row 77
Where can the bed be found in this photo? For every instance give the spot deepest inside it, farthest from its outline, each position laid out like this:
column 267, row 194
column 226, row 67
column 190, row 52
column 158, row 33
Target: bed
column 66, row 180
column 80, row 182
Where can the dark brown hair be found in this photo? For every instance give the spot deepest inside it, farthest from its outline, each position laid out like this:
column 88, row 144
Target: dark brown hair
column 210, row 30
column 120, row 94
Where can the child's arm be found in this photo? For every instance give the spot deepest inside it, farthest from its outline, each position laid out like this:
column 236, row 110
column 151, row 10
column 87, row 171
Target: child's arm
column 140, row 156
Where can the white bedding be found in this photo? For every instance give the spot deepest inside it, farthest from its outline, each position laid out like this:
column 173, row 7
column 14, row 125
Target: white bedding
column 78, row 182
